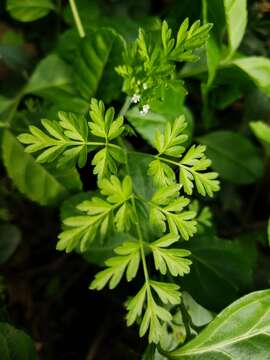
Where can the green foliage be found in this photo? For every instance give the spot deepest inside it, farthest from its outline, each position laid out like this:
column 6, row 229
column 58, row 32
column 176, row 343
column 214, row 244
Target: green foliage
column 262, row 132
column 149, row 63
column 191, row 165
column 10, row 238
column 66, row 140
column 233, row 156
column 98, row 215
column 117, row 209
column 15, row 344
column 236, row 21
column 258, row 69
column 32, row 179
column 268, row 231
column 52, row 79
column 210, row 256
column 172, row 260
column 239, row 331
column 167, row 207
column 146, row 218
column 29, row 10
column 95, row 59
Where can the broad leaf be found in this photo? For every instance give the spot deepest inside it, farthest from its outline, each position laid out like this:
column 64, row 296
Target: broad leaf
column 258, row 69
column 10, row 238
column 211, row 281
column 32, row 179
column 240, row 332
column 236, row 21
column 52, row 80
column 94, row 65
column 29, row 10
column 262, row 132
column 233, row 156
column 15, row 344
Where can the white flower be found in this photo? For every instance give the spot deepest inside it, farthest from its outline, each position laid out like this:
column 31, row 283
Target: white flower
column 145, row 109
column 135, row 98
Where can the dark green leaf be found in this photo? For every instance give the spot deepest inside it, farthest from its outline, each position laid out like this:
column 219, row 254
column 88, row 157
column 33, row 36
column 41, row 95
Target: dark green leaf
column 212, row 282
column 10, row 238
column 52, row 80
column 15, row 344
column 233, row 156
column 94, row 65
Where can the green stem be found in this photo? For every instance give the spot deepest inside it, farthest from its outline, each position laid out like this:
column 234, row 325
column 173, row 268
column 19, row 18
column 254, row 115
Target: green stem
column 204, row 11
column 186, row 320
column 122, row 112
column 125, row 107
column 137, row 224
column 101, row 144
column 168, row 160
column 77, row 18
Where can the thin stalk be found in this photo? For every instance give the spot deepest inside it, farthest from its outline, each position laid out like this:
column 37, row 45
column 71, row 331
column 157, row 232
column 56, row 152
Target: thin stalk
column 137, row 225
column 204, row 11
column 77, row 18
column 125, row 107
column 138, row 228
column 186, row 320
column 168, row 160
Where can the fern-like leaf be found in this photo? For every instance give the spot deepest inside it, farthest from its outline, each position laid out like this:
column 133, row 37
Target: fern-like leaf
column 65, row 140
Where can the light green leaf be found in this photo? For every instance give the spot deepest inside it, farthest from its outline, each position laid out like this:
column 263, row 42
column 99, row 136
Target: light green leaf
column 236, row 21
column 200, row 316
column 189, row 39
column 233, row 156
column 101, row 248
column 116, row 191
column 258, row 69
column 128, row 260
column 95, row 216
column 15, row 344
column 65, row 140
column 172, row 260
column 10, row 237
column 262, row 132
column 29, row 10
column 167, row 292
column 162, row 174
column 106, row 161
column 31, row 178
column 170, row 143
column 166, row 205
column 103, row 123
column 135, row 306
column 239, row 332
